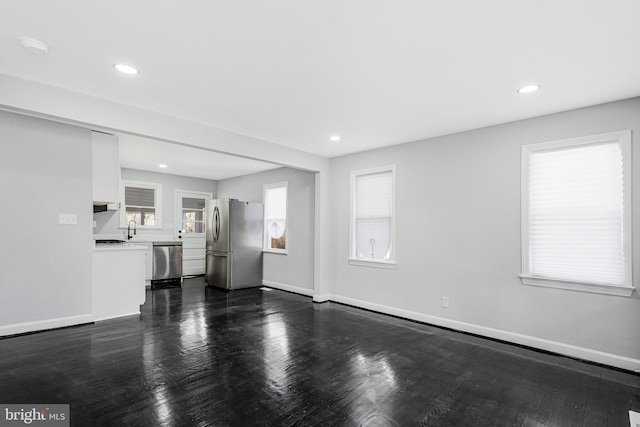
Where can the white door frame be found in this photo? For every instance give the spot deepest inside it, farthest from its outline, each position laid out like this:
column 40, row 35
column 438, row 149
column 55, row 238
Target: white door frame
column 194, row 249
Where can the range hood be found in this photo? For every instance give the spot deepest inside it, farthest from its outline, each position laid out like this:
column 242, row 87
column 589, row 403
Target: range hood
column 100, row 208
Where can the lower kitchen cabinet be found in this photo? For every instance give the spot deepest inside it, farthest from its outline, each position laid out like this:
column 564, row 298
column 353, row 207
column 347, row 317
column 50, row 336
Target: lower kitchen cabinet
column 148, row 262
column 118, row 280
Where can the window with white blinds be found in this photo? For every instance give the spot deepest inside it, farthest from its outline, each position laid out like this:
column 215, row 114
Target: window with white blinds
column 576, row 213
column 373, row 216
column 141, row 202
column 275, row 217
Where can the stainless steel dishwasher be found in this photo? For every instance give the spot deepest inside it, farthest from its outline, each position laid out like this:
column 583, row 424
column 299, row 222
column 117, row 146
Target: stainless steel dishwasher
column 167, row 263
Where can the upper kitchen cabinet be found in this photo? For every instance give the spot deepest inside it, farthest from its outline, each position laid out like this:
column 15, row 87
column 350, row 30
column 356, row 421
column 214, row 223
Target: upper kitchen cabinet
column 106, row 168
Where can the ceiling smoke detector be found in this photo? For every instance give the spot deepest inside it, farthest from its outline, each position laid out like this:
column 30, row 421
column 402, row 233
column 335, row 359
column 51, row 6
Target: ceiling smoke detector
column 34, row 46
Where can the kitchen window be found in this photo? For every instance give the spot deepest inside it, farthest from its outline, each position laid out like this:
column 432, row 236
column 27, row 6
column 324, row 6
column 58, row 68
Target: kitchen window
column 275, row 217
column 142, row 203
column 576, row 214
column 373, row 206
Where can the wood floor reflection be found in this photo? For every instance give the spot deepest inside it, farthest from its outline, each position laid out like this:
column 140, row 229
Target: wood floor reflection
column 202, row 357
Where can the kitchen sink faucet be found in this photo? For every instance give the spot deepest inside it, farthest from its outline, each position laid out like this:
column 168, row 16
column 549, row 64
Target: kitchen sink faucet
column 129, row 236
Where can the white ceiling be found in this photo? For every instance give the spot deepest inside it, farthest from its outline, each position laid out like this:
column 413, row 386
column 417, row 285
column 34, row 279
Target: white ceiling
column 147, row 154
column 376, row 72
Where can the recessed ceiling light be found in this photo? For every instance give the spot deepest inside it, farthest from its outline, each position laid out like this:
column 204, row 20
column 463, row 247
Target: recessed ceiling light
column 334, row 138
column 529, row 89
column 34, row 46
column 162, row 165
column 126, row 69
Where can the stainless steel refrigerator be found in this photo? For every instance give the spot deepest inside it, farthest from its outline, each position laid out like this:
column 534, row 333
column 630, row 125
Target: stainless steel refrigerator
column 234, row 244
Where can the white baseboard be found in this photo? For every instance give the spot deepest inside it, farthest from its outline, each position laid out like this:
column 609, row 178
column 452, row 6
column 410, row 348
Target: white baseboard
column 116, row 316
column 529, row 341
column 41, row 325
column 288, row 288
column 322, row 298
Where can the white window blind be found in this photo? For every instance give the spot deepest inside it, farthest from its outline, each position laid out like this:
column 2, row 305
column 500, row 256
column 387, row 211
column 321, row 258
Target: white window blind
column 373, row 198
column 576, row 230
column 144, row 197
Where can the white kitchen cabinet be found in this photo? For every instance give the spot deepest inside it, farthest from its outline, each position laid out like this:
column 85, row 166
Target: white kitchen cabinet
column 148, row 261
column 118, row 281
column 106, row 169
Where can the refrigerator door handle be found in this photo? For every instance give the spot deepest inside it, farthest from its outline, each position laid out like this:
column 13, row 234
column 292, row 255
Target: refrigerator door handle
column 216, row 224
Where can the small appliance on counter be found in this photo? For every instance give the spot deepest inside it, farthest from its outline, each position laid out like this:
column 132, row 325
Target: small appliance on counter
column 167, row 264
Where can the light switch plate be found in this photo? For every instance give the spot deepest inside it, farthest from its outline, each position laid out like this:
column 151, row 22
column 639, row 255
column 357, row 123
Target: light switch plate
column 67, row 219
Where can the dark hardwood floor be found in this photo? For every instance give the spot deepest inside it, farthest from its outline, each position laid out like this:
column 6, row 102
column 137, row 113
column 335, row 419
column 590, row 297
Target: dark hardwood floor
column 201, row 357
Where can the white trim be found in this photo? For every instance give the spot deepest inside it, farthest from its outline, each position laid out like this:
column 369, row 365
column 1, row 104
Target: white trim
column 276, row 252
column 364, row 262
column 634, row 419
column 265, row 247
column 525, row 236
column 627, row 213
column 376, row 263
column 41, row 325
column 116, row 316
column 623, row 138
column 596, row 288
column 321, row 298
column 157, row 204
column 288, row 288
column 526, row 340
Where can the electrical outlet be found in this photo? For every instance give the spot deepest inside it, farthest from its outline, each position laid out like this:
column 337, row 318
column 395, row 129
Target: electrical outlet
column 445, row 302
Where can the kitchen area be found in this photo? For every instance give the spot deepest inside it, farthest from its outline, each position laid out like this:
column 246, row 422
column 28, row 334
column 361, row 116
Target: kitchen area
column 134, row 249
column 81, row 177
column 152, row 229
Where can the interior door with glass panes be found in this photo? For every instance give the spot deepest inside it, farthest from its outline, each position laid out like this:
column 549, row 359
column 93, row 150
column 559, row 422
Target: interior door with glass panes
column 190, row 228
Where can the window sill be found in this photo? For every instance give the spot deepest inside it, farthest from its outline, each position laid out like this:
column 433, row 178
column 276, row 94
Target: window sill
column 389, row 265
column 271, row 251
column 623, row 291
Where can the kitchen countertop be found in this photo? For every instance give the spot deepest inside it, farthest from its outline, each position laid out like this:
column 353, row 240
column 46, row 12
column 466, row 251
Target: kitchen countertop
column 118, row 247
column 139, row 238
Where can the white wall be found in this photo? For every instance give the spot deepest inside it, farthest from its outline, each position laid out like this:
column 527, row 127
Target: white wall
column 458, row 212
column 458, row 235
column 45, row 267
column 295, row 270
column 20, row 95
column 109, row 222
